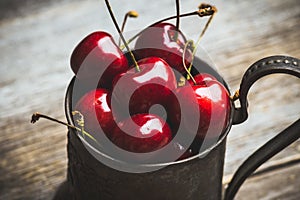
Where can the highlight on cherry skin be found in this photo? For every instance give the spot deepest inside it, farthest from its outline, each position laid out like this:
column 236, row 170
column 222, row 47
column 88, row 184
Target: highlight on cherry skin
column 98, row 55
column 138, row 91
column 164, row 41
column 96, row 111
column 148, row 132
column 211, row 99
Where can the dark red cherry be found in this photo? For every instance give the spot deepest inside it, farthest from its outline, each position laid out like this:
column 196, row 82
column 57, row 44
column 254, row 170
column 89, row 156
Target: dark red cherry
column 141, row 133
column 160, row 40
column 96, row 111
column 184, row 152
column 137, row 91
column 97, row 58
column 202, row 77
column 210, row 101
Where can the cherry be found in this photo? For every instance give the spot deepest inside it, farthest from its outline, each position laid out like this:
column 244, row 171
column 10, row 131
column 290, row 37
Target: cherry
column 162, row 40
column 208, row 98
column 184, row 152
column 139, row 90
column 96, row 111
column 202, row 77
column 97, row 54
column 141, row 133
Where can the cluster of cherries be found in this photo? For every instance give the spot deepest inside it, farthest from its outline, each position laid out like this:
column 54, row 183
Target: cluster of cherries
column 130, row 84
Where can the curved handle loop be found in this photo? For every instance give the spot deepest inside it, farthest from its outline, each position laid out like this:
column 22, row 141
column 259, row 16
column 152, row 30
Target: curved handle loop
column 263, row 67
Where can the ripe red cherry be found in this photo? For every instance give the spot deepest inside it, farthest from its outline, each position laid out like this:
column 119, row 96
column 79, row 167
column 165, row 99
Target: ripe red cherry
column 138, row 91
column 202, row 77
column 211, row 100
column 184, row 152
column 141, row 133
column 96, row 111
column 160, row 40
column 97, row 54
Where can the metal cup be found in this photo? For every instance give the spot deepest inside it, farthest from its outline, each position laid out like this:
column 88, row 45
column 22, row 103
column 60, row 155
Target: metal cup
column 198, row 177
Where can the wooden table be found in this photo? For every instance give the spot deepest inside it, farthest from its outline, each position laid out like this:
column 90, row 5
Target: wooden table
column 34, row 73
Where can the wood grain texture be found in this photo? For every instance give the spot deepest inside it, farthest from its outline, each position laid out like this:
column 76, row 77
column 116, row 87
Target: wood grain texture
column 34, row 73
column 279, row 184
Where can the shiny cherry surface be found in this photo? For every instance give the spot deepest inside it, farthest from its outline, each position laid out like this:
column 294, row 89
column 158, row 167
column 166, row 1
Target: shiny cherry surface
column 96, row 111
column 202, row 77
column 141, row 133
column 97, row 54
column 211, row 100
column 160, row 40
column 138, row 91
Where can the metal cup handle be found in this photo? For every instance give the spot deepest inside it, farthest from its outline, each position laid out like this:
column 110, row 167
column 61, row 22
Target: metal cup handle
column 263, row 67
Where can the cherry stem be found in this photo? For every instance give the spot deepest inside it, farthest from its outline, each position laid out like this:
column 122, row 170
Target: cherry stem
column 36, row 116
column 236, row 96
column 162, row 20
column 177, row 18
column 121, row 35
column 205, row 10
column 189, row 75
column 132, row 14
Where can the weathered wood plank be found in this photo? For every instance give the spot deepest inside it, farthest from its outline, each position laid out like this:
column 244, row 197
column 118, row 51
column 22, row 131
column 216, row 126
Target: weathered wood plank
column 34, row 73
column 279, row 184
